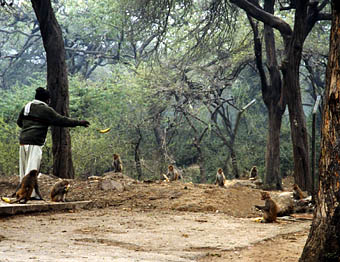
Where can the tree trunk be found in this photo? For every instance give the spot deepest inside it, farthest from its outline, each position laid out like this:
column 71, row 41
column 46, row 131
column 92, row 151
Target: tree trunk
column 323, row 243
column 290, row 71
column 297, row 120
column 137, row 154
column 57, row 83
column 272, row 177
column 273, row 98
column 306, row 15
column 234, row 163
column 275, row 103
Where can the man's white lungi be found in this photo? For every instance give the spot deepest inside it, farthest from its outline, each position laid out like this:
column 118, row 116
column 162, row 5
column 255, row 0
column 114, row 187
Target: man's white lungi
column 29, row 159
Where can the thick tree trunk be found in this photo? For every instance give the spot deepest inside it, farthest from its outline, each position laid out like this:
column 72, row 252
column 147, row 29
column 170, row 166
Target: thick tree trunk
column 323, row 243
column 297, row 119
column 291, row 84
column 275, row 103
column 57, row 83
column 272, row 177
column 298, row 127
column 273, row 98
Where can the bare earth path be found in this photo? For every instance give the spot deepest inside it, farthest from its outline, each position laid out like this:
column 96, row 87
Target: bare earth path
column 129, row 236
column 132, row 221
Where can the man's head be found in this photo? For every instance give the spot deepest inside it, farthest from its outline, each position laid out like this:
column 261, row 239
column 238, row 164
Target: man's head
column 42, row 94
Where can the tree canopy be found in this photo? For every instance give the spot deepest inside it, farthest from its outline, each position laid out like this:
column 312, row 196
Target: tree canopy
column 168, row 77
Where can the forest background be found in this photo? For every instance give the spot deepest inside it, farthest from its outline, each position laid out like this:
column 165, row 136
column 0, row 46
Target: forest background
column 170, row 85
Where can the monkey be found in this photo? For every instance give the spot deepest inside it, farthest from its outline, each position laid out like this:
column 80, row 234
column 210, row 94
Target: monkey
column 59, row 190
column 28, row 183
column 220, row 178
column 297, row 193
column 117, row 163
column 173, row 174
column 269, row 209
column 253, row 173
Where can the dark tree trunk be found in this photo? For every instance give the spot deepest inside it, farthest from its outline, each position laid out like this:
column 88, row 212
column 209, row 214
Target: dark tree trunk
column 234, row 163
column 323, row 243
column 290, row 71
column 57, row 83
column 273, row 98
column 272, row 178
column 297, row 119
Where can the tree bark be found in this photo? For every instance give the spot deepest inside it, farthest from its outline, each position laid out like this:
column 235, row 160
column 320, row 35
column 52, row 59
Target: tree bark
column 273, row 98
column 323, row 243
column 57, row 84
column 272, row 178
column 291, row 72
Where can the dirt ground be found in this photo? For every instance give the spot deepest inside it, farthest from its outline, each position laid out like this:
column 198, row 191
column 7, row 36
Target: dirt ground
column 130, row 221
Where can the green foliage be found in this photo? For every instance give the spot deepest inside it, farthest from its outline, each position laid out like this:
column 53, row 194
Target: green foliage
column 9, row 147
column 119, row 103
column 146, row 50
column 11, row 104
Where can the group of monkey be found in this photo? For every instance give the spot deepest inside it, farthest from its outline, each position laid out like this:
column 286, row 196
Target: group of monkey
column 270, row 208
column 221, row 180
column 59, row 190
column 30, row 182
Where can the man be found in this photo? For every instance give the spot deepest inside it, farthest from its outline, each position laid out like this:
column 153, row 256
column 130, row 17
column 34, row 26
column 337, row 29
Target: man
column 34, row 119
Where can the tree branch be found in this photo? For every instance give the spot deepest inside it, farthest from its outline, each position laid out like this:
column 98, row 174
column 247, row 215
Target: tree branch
column 264, row 17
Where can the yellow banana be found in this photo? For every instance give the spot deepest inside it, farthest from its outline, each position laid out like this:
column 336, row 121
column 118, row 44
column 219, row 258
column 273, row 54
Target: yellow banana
column 6, row 199
column 258, row 219
column 104, row 130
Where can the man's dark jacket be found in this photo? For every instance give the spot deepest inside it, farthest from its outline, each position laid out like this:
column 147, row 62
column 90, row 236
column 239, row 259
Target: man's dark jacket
column 35, row 124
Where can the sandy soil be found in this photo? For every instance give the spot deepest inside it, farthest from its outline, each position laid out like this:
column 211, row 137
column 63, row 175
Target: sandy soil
column 134, row 221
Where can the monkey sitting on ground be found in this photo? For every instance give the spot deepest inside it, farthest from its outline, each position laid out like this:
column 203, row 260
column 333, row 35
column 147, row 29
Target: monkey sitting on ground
column 28, row 183
column 297, row 193
column 220, row 178
column 117, row 163
column 253, row 173
column 173, row 174
column 59, row 190
column 269, row 209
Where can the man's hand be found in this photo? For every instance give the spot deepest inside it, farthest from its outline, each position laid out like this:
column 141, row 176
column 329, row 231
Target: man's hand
column 84, row 123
